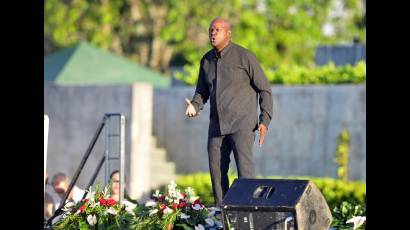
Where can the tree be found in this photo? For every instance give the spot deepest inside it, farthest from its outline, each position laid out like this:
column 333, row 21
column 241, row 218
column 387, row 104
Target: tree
column 156, row 32
column 130, row 28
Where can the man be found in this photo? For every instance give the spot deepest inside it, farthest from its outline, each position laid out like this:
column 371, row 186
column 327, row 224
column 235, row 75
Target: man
column 232, row 79
column 60, row 183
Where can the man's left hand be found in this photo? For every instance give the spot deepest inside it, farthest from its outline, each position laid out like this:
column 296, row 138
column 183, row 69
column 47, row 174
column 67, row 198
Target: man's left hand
column 262, row 133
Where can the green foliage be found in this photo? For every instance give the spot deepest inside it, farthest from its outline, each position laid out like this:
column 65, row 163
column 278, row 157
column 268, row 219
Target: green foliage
column 342, row 155
column 335, row 191
column 151, row 32
column 297, row 75
column 68, row 22
column 278, row 32
column 344, row 212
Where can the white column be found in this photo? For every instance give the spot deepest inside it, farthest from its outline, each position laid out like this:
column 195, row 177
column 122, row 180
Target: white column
column 141, row 131
column 46, row 125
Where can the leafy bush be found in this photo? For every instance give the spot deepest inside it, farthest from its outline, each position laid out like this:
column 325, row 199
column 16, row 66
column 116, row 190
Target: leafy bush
column 342, row 155
column 344, row 212
column 335, row 191
column 297, row 75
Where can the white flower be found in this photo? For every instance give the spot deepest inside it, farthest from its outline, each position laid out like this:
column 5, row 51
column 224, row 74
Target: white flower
column 168, row 211
column 93, row 205
column 209, row 222
column 92, row 219
column 129, row 206
column 171, row 187
column 153, row 212
column 357, row 221
column 184, row 216
column 156, row 194
column 91, row 196
column 68, row 206
column 150, row 203
column 197, row 207
column 111, row 211
column 199, row 227
column 189, row 192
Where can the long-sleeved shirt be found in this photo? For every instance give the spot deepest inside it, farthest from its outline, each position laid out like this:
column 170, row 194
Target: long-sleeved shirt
column 232, row 81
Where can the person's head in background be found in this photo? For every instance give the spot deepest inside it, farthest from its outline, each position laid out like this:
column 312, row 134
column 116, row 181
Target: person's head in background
column 115, row 185
column 48, row 206
column 60, row 183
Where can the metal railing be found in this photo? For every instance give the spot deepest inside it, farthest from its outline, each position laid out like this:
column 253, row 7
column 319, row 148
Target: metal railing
column 109, row 155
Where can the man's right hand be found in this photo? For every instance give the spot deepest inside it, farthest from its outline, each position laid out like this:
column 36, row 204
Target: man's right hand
column 190, row 110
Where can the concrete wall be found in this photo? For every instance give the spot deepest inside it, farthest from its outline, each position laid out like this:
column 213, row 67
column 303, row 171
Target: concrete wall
column 302, row 137
column 75, row 112
column 340, row 54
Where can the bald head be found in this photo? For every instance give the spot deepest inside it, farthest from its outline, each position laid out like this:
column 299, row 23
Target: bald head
column 224, row 22
column 220, row 33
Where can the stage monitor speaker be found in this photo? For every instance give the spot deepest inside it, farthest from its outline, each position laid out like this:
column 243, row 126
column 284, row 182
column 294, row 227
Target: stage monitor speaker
column 275, row 204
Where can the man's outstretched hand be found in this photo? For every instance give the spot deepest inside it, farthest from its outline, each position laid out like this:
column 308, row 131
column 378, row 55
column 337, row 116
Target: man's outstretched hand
column 262, row 133
column 190, row 110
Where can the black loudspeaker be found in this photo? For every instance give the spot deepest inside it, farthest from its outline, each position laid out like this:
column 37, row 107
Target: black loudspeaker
column 275, row 204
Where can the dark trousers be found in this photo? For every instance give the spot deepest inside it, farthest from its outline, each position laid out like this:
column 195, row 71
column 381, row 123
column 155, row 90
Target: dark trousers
column 219, row 150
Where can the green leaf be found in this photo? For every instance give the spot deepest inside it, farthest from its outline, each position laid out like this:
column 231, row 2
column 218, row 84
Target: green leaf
column 185, row 226
column 83, row 225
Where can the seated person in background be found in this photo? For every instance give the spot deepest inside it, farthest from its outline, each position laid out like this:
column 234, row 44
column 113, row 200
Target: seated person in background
column 48, row 206
column 115, row 185
column 115, row 192
column 60, row 183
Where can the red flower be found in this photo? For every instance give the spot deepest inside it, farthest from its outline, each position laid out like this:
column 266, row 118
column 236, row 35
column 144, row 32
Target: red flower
column 103, row 202
column 111, row 202
column 197, row 201
column 82, row 209
column 183, row 195
column 175, row 206
column 182, row 204
column 162, row 207
column 161, row 198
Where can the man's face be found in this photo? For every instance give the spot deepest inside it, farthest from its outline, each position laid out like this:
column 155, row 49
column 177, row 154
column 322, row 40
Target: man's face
column 218, row 34
column 60, row 187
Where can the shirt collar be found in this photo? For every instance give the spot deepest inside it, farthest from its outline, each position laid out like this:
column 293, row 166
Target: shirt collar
column 224, row 51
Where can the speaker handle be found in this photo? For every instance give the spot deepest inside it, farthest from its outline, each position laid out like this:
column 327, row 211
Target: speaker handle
column 271, row 190
column 263, row 191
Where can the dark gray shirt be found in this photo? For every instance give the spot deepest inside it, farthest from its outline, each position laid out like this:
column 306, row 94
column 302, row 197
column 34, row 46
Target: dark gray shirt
column 232, row 81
